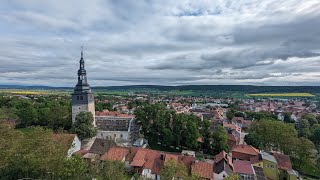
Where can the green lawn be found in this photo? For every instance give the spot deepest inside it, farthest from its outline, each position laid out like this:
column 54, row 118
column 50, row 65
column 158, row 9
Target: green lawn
column 182, row 93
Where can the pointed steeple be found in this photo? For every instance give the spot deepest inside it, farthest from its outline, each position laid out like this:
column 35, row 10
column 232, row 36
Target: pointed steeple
column 81, row 52
column 82, row 85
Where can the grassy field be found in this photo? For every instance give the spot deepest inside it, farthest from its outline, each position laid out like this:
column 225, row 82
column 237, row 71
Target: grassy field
column 282, row 95
column 33, row 92
column 181, row 93
column 111, row 93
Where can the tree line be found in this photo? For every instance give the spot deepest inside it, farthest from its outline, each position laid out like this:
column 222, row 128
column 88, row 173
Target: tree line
column 51, row 111
column 278, row 136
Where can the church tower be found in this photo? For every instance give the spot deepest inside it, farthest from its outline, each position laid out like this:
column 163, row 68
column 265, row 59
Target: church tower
column 82, row 96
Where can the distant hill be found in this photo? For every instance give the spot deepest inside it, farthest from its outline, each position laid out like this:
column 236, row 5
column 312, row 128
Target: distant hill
column 199, row 89
column 219, row 88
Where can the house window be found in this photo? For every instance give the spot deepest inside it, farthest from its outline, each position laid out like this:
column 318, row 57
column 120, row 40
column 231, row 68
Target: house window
column 81, row 97
column 78, row 98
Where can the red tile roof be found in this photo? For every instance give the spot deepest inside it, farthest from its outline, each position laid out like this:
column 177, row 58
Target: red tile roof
column 173, row 157
column 112, row 113
column 231, row 126
column 148, row 159
column 283, row 161
column 139, row 158
column 222, row 155
column 115, row 154
column 200, row 140
column 187, row 160
column 245, row 149
column 255, row 159
column 237, row 118
column 203, row 169
column 243, row 167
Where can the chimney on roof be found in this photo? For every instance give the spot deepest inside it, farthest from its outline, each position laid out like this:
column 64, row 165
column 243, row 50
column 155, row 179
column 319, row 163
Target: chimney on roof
column 162, row 157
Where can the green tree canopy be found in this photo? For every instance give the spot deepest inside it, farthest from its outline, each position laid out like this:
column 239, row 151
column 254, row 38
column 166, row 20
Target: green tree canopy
column 83, row 125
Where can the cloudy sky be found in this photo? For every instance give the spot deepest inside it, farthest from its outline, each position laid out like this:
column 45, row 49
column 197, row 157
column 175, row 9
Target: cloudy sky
column 165, row 42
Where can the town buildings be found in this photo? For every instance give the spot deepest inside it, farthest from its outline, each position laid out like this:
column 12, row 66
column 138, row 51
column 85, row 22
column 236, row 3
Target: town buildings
column 118, row 127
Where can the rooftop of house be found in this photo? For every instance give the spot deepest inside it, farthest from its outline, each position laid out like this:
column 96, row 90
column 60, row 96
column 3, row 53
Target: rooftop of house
column 186, row 160
column 231, row 126
column 267, row 156
column 245, row 149
column 101, row 146
column 256, row 159
column 223, row 162
column 171, row 157
column 148, row 159
column 113, row 113
column 243, row 167
column 237, row 118
column 283, row 161
column 115, row 154
column 231, row 137
column 202, row 169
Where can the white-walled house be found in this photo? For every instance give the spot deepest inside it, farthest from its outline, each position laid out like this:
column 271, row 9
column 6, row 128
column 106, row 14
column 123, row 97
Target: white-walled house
column 280, row 117
column 294, row 117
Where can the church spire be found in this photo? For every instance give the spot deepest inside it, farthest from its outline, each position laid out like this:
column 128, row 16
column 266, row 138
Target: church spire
column 81, row 52
column 82, row 84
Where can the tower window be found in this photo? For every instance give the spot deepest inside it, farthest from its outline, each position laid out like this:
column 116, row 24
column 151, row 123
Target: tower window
column 78, row 98
column 81, row 97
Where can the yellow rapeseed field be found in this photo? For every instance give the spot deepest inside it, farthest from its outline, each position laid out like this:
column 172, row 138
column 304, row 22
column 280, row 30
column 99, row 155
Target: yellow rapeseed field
column 22, row 92
column 283, row 94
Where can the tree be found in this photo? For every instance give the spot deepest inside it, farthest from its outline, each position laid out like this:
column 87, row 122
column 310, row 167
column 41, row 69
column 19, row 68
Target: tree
column 310, row 118
column 9, row 144
column 287, row 118
column 173, row 169
column 270, row 134
column 83, row 125
column 74, row 167
column 219, row 140
column 160, row 125
column 32, row 154
column 303, row 128
column 27, row 115
column 206, row 135
column 108, row 170
column 100, row 106
column 304, row 152
column 316, row 134
column 230, row 114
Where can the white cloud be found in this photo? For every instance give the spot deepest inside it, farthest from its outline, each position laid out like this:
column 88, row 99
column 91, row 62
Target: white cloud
column 160, row 42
